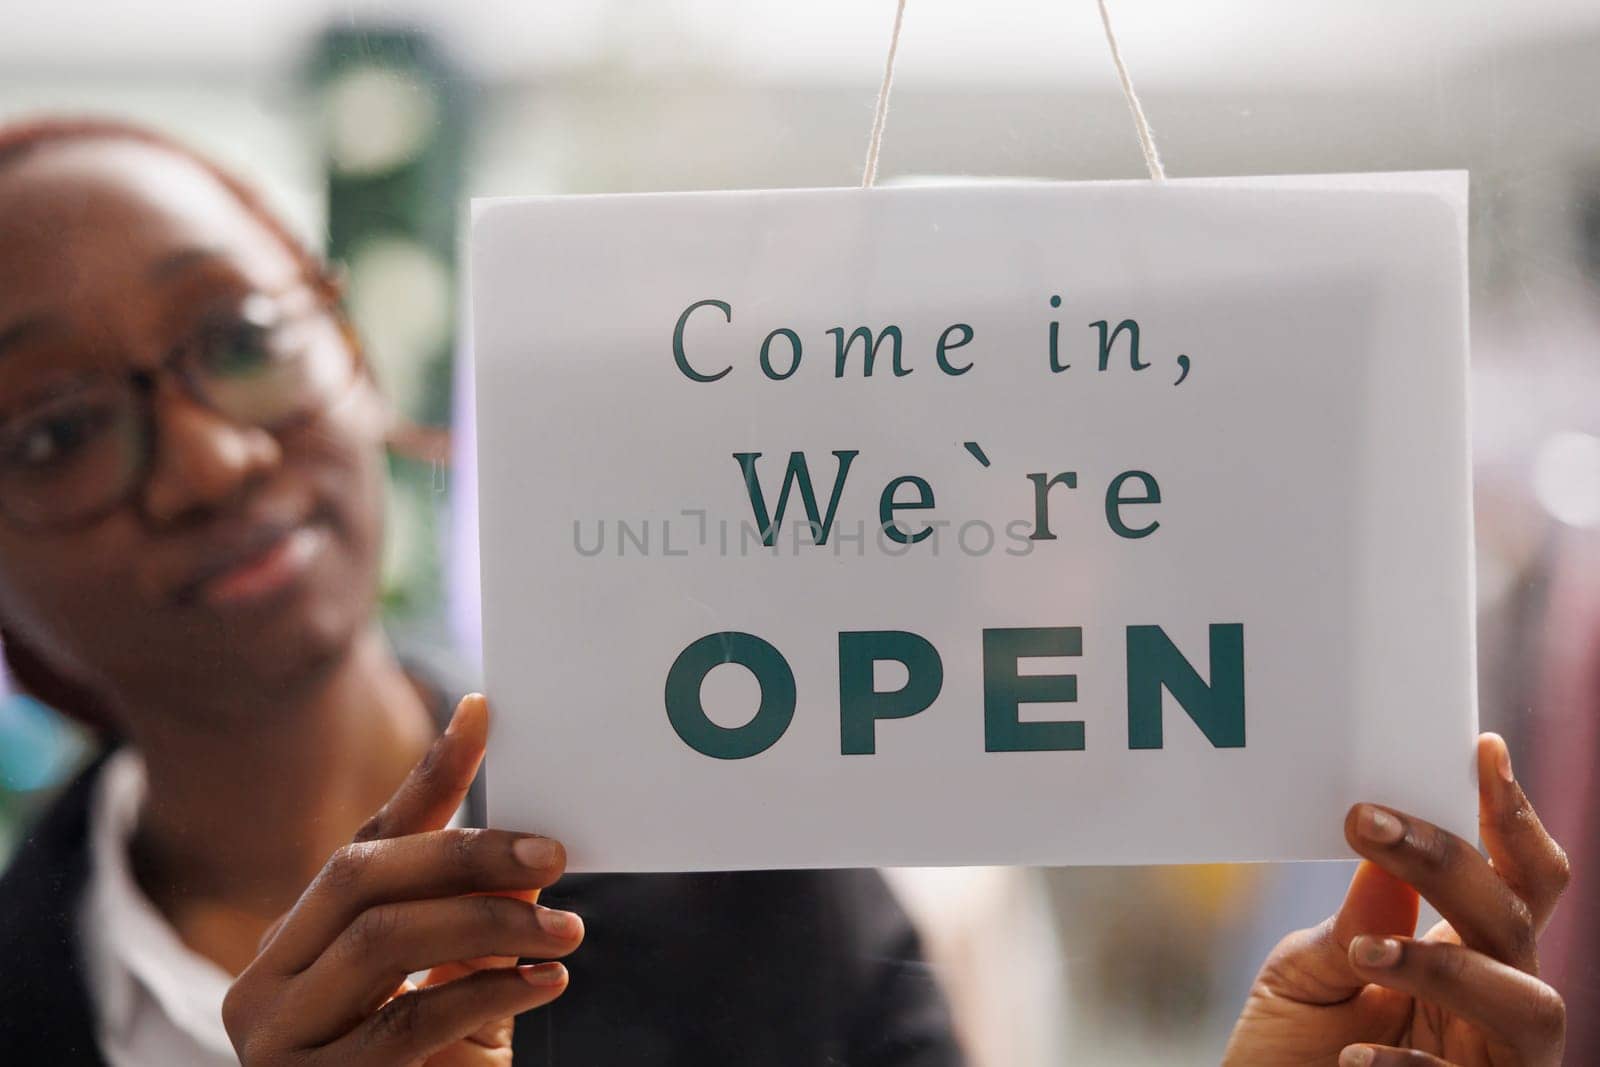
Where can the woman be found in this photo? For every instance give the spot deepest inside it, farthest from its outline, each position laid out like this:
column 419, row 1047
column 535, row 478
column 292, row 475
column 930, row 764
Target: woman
column 189, row 526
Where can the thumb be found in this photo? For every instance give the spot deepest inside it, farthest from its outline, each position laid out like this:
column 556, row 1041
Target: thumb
column 436, row 787
column 1376, row 903
column 1313, row 966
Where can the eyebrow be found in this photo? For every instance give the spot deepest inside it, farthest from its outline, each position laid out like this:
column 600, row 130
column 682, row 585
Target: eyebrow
column 180, row 261
column 20, row 331
column 166, row 267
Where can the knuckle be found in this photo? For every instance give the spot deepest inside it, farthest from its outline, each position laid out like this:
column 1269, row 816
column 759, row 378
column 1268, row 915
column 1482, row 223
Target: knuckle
column 1547, row 1012
column 259, row 1052
column 1433, row 847
column 236, row 1012
column 396, row 1023
column 251, row 1054
column 431, row 771
column 372, row 930
column 465, row 850
column 1514, row 818
column 1523, row 939
column 1444, row 964
column 1561, row 870
column 345, row 867
column 494, row 911
column 244, row 1027
column 373, row 828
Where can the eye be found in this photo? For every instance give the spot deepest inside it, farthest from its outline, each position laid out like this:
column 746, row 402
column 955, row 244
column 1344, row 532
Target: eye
column 56, row 437
column 239, row 350
column 260, row 337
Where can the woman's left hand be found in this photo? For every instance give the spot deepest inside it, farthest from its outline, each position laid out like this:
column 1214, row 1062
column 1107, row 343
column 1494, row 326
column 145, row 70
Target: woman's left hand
column 1361, row 991
column 329, row 987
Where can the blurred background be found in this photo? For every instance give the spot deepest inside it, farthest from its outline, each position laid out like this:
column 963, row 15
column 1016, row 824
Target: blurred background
column 368, row 125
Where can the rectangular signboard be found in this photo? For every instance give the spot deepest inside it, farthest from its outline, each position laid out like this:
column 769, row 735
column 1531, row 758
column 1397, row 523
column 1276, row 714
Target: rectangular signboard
column 1013, row 523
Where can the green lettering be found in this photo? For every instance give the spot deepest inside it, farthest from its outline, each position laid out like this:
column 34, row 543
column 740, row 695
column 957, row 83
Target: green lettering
column 870, row 344
column 1004, row 689
column 887, row 506
column 860, row 705
column 944, row 346
column 1041, row 501
column 1106, row 343
column 796, row 473
column 678, row 354
column 688, row 715
column 1154, row 663
column 1115, row 502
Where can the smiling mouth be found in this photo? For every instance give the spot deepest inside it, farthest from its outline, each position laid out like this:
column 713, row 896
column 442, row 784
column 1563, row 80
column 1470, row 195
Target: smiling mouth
column 274, row 567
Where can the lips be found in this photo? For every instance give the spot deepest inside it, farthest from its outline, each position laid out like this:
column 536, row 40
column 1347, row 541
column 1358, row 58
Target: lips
column 253, row 566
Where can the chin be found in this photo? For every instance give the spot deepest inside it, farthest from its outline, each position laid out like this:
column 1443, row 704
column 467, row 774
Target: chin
column 304, row 644
column 286, row 641
column 315, row 643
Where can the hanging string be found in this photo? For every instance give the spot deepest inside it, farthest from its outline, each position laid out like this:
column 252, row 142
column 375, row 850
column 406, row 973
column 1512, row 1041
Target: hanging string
column 1147, row 142
column 880, row 115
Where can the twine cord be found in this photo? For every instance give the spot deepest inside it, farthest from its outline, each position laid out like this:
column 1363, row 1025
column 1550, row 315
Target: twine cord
column 1141, row 124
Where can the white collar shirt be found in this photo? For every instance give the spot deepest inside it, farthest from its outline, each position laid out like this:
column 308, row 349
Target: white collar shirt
column 157, row 1001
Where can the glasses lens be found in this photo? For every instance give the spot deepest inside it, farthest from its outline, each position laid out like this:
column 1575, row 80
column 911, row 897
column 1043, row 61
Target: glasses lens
column 269, row 367
column 71, row 455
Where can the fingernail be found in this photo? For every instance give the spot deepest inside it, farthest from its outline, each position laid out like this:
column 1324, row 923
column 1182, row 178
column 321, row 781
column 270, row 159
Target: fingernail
column 1503, row 764
column 544, row 974
column 1378, row 825
column 455, row 719
column 534, row 851
column 1376, row 951
column 1356, row 1056
column 561, row 923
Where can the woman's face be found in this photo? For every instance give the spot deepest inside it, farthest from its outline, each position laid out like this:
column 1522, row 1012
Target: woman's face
column 245, row 559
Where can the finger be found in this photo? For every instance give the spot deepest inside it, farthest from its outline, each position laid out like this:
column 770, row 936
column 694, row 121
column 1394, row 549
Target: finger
column 1313, row 966
column 497, row 1034
column 437, row 785
column 271, row 932
column 1532, row 864
column 412, row 1027
column 1514, row 1007
column 1385, row 1056
column 490, row 1045
column 359, row 971
column 443, row 863
column 1452, row 876
column 449, row 972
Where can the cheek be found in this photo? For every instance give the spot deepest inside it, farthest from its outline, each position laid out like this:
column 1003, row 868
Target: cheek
column 366, row 513
column 348, row 473
column 75, row 597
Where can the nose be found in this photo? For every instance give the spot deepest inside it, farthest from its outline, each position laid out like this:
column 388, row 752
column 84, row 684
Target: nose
column 202, row 460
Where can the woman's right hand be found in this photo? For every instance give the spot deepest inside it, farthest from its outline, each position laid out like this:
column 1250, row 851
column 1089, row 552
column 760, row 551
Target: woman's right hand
column 329, row 985
column 1362, row 990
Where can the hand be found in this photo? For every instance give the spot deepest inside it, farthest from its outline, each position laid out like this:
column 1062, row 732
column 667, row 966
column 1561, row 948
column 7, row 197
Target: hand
column 1361, row 991
column 329, row 985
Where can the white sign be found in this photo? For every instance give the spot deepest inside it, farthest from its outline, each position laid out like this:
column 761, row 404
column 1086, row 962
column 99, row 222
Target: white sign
column 1023, row 523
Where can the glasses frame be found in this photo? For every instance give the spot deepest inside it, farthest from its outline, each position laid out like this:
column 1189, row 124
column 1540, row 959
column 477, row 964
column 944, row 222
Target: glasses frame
column 327, row 294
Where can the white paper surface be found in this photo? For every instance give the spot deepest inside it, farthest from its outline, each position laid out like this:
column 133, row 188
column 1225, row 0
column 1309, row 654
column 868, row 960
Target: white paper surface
column 1312, row 466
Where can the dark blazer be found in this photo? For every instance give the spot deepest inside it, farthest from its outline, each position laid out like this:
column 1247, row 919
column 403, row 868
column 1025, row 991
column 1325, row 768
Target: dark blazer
column 763, row 969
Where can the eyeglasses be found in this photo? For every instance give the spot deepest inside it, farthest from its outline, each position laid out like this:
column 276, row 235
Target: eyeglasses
column 78, row 450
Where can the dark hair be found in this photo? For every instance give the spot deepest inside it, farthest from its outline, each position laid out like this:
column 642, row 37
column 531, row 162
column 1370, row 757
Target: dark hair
column 27, row 668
